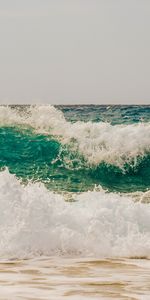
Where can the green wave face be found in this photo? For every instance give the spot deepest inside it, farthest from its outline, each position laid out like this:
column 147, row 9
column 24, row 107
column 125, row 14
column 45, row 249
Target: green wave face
column 43, row 158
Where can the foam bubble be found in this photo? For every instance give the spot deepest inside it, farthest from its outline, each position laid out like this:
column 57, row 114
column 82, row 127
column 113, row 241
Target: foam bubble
column 35, row 221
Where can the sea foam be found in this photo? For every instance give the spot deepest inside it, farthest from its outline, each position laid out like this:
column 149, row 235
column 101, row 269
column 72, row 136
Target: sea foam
column 35, row 221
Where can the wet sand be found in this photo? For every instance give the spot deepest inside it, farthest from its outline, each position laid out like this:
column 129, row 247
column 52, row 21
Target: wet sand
column 69, row 278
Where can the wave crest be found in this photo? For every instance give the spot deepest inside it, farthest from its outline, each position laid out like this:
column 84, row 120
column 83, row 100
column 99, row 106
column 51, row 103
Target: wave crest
column 97, row 142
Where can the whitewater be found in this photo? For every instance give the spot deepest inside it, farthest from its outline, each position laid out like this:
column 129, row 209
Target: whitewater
column 35, row 221
column 74, row 202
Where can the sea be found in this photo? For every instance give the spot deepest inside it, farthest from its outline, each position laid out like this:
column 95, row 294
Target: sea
column 74, row 202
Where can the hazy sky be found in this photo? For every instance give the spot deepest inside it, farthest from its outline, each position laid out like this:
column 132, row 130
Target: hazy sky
column 75, row 51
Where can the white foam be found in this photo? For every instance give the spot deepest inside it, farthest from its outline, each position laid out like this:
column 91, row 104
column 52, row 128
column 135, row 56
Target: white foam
column 35, row 221
column 97, row 142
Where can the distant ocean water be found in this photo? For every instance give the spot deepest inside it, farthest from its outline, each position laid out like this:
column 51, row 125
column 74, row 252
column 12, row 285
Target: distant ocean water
column 75, row 180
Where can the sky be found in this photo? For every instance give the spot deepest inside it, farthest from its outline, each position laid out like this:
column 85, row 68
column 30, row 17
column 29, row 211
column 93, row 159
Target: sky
column 75, row 51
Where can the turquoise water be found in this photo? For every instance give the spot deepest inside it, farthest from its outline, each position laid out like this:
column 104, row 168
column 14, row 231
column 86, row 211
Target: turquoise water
column 42, row 155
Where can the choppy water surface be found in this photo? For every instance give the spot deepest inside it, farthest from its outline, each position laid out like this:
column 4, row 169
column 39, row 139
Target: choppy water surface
column 74, row 191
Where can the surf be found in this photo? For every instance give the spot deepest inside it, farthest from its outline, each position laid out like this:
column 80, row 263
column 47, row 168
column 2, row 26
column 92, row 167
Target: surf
column 97, row 142
column 35, row 221
column 41, row 157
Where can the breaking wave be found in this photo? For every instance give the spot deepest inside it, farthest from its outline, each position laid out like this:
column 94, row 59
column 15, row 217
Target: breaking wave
column 35, row 221
column 97, row 142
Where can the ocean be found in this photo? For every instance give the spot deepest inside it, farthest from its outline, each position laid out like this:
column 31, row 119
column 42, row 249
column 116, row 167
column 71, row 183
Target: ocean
column 74, row 202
